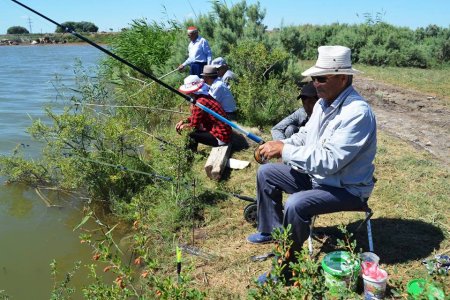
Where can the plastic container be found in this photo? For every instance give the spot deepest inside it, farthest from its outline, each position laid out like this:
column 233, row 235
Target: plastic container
column 375, row 289
column 370, row 257
column 341, row 271
column 421, row 289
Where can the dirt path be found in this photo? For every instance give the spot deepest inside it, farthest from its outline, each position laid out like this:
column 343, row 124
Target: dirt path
column 415, row 117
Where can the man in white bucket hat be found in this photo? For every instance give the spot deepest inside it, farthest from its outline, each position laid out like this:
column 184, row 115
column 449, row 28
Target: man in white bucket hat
column 328, row 165
column 206, row 129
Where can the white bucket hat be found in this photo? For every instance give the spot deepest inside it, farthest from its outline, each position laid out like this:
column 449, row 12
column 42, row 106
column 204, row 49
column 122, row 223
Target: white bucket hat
column 332, row 60
column 194, row 85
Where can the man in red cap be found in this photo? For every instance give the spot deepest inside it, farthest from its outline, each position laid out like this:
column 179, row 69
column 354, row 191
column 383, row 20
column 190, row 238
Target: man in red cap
column 199, row 53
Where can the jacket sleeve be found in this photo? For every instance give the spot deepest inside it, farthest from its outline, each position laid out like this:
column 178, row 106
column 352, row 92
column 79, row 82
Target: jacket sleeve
column 335, row 150
column 296, row 118
column 207, row 51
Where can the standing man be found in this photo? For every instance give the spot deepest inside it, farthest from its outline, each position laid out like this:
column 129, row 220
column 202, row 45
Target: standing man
column 292, row 123
column 219, row 91
column 328, row 165
column 199, row 53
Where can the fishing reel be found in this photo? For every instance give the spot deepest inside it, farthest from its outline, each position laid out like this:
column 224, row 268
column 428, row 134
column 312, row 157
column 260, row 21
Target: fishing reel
column 260, row 159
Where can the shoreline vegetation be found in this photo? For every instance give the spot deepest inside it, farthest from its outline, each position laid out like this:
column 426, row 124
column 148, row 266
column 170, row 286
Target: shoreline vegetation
column 53, row 38
column 96, row 151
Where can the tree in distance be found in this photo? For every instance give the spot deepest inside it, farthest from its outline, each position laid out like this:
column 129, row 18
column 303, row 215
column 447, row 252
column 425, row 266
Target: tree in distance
column 77, row 26
column 17, row 30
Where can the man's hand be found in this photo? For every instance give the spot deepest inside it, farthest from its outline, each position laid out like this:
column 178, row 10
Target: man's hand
column 180, row 68
column 272, row 149
column 180, row 125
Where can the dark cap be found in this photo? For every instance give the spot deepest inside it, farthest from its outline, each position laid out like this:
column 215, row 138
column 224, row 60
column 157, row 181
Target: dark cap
column 308, row 90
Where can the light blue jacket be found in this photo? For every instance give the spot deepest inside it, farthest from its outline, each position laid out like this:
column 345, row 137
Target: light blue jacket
column 338, row 144
column 219, row 91
column 199, row 51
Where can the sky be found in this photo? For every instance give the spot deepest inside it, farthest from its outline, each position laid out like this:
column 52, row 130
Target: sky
column 112, row 15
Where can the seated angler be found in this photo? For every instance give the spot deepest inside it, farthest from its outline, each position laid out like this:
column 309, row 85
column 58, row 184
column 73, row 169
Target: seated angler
column 224, row 72
column 219, row 91
column 206, row 128
column 292, row 123
column 327, row 166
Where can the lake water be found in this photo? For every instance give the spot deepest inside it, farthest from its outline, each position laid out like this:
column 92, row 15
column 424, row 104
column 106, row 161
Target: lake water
column 32, row 234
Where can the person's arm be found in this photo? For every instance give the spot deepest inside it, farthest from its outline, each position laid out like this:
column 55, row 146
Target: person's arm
column 189, row 60
column 207, row 51
column 296, row 118
column 197, row 115
column 333, row 152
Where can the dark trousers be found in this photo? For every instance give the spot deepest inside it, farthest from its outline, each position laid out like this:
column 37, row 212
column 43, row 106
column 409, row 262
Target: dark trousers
column 304, row 202
column 232, row 116
column 196, row 68
column 202, row 137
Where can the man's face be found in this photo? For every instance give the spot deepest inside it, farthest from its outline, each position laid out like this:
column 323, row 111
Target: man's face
column 329, row 86
column 308, row 104
column 192, row 35
column 208, row 80
column 221, row 71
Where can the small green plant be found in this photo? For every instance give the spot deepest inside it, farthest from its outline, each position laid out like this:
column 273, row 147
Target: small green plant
column 62, row 290
column 3, row 295
column 307, row 280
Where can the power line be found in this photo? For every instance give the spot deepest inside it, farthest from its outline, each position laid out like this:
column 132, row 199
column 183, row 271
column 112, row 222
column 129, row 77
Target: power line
column 29, row 24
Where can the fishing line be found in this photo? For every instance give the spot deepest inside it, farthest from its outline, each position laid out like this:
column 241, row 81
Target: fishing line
column 165, row 178
column 250, row 135
column 134, row 128
column 132, row 106
column 121, row 168
column 146, row 84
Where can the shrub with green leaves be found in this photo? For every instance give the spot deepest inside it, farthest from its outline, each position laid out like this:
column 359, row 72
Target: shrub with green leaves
column 263, row 95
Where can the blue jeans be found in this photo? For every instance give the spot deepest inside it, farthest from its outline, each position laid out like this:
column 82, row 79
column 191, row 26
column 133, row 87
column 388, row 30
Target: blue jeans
column 304, row 201
column 196, row 68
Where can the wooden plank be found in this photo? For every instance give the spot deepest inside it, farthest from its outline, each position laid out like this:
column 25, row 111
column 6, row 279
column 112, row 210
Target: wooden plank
column 217, row 161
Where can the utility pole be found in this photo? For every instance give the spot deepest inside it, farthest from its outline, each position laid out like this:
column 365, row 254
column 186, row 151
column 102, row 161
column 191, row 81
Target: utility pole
column 29, row 24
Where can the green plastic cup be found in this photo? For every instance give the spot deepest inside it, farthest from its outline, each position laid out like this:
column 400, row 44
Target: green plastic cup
column 341, row 271
column 420, row 288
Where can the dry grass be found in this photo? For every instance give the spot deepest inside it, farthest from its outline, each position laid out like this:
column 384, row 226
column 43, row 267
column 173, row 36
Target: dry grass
column 411, row 202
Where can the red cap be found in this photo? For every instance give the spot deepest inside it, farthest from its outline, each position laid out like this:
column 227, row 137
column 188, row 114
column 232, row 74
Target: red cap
column 192, row 29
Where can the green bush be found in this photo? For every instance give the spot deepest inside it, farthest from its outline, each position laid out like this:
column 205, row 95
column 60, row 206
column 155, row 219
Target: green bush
column 147, row 46
column 77, row 26
column 17, row 30
column 262, row 94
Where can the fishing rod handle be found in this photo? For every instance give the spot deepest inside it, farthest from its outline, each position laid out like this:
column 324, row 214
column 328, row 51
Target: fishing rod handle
column 260, row 159
column 246, row 198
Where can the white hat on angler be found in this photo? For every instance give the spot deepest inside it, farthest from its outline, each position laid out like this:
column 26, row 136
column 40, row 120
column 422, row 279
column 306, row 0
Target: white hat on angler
column 332, row 60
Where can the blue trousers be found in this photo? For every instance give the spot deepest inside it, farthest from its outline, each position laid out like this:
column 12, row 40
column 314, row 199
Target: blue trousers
column 304, row 201
column 196, row 68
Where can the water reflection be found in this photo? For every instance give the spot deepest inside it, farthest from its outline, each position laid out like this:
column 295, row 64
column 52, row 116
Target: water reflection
column 31, row 233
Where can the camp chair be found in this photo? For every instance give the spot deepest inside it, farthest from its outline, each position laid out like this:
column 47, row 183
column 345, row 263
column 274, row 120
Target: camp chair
column 366, row 209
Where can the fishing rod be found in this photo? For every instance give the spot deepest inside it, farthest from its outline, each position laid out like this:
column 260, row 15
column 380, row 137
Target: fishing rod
column 250, row 135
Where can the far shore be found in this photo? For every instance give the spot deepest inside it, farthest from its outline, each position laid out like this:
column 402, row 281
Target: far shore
column 50, row 44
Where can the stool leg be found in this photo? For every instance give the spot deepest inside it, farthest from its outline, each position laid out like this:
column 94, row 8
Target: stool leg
column 369, row 233
column 310, row 238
